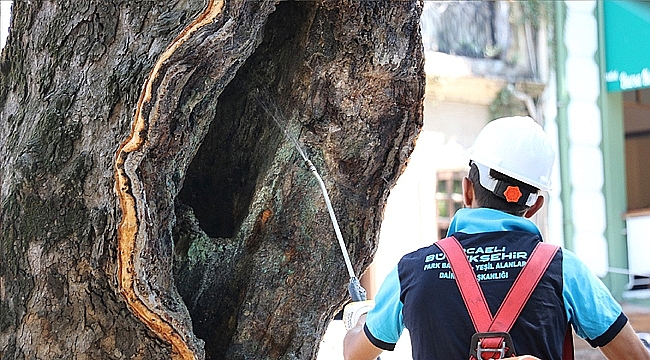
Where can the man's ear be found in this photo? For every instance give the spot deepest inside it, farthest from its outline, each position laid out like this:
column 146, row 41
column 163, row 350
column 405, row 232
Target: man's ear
column 468, row 192
column 536, row 206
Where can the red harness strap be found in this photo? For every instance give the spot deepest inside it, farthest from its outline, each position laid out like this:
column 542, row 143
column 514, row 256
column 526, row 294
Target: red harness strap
column 513, row 303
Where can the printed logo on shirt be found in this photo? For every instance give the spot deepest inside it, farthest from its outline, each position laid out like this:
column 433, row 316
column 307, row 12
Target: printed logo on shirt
column 489, row 263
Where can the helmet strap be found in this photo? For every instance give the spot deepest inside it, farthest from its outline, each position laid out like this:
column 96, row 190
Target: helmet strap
column 505, row 190
column 512, row 193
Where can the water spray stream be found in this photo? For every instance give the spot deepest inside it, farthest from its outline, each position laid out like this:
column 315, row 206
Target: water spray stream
column 357, row 292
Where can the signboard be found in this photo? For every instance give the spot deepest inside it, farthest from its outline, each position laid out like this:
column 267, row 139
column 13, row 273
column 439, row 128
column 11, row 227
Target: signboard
column 627, row 45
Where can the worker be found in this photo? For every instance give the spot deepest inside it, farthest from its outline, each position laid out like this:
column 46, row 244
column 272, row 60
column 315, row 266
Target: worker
column 510, row 162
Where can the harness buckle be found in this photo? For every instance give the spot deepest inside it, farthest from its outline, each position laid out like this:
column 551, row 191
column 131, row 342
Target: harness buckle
column 476, row 349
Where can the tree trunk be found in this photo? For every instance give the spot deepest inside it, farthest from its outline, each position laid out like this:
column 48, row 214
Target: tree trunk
column 151, row 206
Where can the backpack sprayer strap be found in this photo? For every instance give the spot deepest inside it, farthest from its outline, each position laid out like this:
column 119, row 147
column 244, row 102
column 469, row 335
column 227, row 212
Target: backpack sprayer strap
column 523, row 287
column 467, row 282
column 492, row 340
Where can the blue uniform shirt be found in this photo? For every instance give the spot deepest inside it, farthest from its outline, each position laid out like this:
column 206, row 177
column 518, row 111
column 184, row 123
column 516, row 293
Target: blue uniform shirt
column 421, row 294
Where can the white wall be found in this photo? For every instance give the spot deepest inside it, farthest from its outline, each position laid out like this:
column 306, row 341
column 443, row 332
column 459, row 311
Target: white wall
column 585, row 135
column 5, row 13
column 457, row 122
column 553, row 203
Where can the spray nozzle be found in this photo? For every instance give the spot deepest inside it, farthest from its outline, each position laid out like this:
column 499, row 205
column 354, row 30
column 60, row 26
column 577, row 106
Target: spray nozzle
column 357, row 292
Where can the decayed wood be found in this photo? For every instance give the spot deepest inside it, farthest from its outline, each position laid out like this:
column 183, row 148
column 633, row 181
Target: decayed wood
column 184, row 344
column 151, row 207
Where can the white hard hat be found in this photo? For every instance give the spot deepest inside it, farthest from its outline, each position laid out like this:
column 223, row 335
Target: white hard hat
column 517, row 147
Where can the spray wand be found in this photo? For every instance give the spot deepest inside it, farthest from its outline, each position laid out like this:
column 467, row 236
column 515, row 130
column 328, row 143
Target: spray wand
column 356, row 291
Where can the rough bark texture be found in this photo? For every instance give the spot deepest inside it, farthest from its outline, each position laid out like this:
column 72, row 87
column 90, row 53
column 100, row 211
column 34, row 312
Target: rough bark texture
column 150, row 205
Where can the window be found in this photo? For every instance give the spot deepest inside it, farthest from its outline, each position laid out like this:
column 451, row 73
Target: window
column 449, row 198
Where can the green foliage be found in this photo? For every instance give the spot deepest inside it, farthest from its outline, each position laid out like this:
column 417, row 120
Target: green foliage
column 535, row 11
column 506, row 104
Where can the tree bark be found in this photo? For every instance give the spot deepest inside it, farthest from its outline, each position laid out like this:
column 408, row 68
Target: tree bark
column 151, row 206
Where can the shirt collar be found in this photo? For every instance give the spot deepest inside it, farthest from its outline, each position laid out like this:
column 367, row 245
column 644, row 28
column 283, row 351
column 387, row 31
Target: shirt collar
column 473, row 221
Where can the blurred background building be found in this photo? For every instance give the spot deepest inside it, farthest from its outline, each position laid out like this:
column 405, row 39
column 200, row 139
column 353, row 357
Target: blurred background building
column 5, row 12
column 579, row 68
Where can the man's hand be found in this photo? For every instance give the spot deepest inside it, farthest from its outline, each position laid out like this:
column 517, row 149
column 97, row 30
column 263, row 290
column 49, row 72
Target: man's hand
column 356, row 345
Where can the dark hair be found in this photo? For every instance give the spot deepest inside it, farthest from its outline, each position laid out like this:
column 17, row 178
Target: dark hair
column 487, row 199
